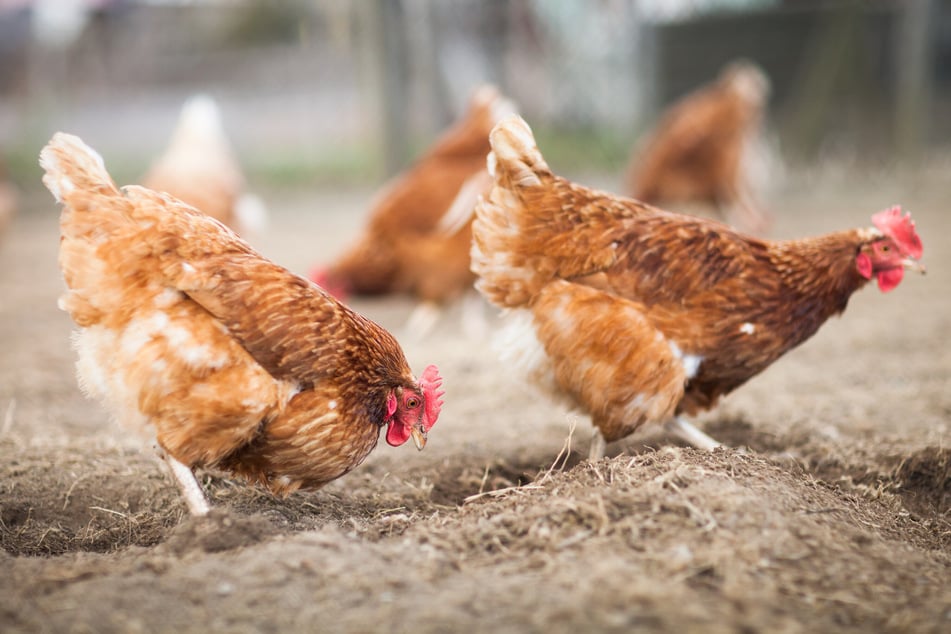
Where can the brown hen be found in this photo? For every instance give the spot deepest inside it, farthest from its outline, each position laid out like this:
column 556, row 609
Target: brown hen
column 417, row 237
column 235, row 362
column 699, row 150
column 638, row 315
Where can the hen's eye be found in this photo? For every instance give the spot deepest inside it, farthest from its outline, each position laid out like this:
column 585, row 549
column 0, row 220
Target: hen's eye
column 885, row 248
column 412, row 402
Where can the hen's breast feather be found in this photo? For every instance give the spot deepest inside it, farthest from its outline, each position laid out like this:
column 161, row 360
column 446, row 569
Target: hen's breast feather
column 173, row 365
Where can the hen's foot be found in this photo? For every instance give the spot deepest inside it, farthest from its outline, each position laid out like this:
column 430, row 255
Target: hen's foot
column 191, row 490
column 597, row 448
column 690, row 434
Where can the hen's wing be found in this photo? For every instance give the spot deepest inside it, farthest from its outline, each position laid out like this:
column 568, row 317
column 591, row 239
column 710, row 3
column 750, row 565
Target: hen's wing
column 535, row 227
column 658, row 257
column 604, row 352
column 292, row 328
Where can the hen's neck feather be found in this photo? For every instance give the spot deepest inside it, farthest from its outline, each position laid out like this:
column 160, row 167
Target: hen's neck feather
column 819, row 274
column 824, row 265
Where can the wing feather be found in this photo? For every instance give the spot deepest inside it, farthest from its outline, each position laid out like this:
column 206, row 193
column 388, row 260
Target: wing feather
column 291, row 327
column 631, row 249
column 608, row 357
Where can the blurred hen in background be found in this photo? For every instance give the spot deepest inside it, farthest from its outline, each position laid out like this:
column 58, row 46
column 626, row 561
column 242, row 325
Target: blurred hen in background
column 699, row 151
column 199, row 168
column 416, row 239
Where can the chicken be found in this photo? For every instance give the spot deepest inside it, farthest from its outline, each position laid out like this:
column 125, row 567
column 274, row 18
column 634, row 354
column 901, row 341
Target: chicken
column 699, row 151
column 637, row 315
column 199, row 168
column 235, row 362
column 416, row 240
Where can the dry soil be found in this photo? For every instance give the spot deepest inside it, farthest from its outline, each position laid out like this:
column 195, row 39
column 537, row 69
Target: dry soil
column 829, row 511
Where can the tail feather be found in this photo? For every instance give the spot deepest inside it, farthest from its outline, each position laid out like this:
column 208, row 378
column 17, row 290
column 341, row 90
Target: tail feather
column 71, row 166
column 515, row 159
column 509, row 268
column 93, row 207
column 488, row 100
column 201, row 117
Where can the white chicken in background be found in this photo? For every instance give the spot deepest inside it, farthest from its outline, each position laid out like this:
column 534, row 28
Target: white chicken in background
column 199, row 167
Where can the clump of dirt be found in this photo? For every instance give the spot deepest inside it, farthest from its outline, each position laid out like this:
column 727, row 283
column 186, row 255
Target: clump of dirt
column 219, row 531
column 58, row 501
column 914, row 481
column 924, row 482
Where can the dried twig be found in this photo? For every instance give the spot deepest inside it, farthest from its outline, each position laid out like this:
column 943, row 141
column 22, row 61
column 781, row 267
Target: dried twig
column 105, row 510
column 485, row 477
column 564, row 453
column 71, row 487
column 500, row 492
column 561, row 458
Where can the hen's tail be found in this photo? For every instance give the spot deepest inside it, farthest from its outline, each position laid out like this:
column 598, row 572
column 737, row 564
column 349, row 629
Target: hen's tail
column 515, row 160
column 74, row 170
column 505, row 251
column 94, row 210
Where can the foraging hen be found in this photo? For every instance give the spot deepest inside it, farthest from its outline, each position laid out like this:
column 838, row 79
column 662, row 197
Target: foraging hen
column 235, row 362
column 638, row 315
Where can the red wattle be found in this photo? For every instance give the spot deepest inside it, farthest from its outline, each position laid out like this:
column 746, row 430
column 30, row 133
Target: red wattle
column 887, row 280
column 397, row 434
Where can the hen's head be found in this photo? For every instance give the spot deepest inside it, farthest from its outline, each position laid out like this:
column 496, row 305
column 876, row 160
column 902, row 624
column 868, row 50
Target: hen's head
column 894, row 247
column 412, row 411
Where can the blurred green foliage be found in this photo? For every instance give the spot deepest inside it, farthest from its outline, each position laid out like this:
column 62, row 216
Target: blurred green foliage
column 266, row 22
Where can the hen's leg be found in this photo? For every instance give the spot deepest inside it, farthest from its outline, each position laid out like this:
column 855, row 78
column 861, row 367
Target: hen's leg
column 597, row 447
column 191, row 490
column 680, row 428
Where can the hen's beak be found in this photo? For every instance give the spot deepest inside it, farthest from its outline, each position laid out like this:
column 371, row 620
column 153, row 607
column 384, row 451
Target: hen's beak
column 419, row 436
column 913, row 264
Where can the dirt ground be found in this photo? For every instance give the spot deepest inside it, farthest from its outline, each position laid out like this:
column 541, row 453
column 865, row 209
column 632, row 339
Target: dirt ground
column 831, row 511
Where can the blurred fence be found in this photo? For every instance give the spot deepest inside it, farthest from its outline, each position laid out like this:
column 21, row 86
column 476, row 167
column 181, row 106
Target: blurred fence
column 366, row 82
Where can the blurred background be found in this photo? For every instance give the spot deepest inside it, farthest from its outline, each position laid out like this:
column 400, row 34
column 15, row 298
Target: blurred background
column 340, row 91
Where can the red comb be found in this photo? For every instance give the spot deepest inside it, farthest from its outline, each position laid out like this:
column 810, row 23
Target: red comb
column 901, row 229
column 431, row 382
